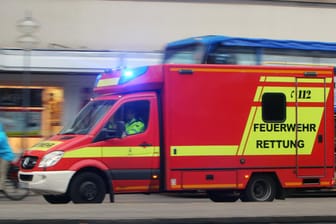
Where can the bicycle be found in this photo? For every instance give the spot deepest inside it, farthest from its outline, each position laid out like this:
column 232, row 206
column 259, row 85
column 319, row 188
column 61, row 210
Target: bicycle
column 14, row 190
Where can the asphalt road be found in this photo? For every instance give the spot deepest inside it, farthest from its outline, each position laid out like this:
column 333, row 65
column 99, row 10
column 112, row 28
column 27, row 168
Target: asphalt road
column 170, row 208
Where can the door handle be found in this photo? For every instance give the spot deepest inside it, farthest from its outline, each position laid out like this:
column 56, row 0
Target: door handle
column 145, row 144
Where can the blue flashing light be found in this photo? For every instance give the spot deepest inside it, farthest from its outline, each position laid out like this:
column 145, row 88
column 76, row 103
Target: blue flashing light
column 97, row 79
column 130, row 74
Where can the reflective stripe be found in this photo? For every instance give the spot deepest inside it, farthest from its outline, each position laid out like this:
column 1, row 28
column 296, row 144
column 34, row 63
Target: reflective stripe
column 45, row 145
column 316, row 94
column 247, row 70
column 204, row 150
column 207, row 186
column 84, row 152
column 292, row 79
column 126, row 151
column 277, row 79
column 131, row 151
column 246, row 133
column 257, row 96
column 108, row 82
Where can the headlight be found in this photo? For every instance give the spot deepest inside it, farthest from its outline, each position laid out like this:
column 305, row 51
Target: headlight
column 51, row 159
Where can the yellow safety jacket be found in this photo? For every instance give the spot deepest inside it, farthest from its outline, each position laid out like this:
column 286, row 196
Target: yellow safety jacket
column 134, row 127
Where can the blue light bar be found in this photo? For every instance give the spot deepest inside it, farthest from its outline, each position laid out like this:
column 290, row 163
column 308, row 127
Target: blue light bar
column 130, row 74
column 97, row 79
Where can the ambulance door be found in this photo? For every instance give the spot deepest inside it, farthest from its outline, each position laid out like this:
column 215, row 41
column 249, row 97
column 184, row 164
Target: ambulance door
column 310, row 134
column 133, row 157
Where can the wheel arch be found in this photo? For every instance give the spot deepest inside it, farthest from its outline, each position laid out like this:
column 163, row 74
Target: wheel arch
column 103, row 173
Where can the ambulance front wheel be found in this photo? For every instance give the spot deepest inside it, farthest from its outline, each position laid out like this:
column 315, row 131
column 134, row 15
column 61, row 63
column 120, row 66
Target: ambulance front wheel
column 87, row 187
column 260, row 188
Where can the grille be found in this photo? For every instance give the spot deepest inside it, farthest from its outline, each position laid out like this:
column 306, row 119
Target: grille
column 28, row 162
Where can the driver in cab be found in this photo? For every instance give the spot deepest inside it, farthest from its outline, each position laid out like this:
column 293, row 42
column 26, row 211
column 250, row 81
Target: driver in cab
column 133, row 124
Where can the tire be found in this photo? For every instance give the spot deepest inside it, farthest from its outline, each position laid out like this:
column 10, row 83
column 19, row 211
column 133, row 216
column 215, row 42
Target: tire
column 14, row 190
column 57, row 199
column 260, row 188
column 223, row 196
column 87, row 187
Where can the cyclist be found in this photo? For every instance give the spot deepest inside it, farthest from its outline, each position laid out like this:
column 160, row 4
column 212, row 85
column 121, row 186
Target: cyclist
column 6, row 156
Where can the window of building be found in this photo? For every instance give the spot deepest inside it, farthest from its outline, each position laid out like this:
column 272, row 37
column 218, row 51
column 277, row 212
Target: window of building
column 29, row 115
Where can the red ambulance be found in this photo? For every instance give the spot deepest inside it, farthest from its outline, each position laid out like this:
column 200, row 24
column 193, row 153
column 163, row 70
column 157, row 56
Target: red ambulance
column 233, row 131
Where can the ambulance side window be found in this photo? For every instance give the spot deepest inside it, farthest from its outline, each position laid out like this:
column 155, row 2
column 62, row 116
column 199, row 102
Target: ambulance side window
column 134, row 115
column 273, row 107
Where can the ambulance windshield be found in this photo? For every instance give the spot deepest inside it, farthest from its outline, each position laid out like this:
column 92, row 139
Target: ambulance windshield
column 88, row 117
column 188, row 54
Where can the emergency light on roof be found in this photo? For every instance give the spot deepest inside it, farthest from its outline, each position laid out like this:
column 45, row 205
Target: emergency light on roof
column 97, row 79
column 129, row 74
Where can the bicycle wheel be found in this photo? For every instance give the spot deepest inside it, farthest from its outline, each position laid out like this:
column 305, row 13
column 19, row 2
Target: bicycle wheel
column 14, row 190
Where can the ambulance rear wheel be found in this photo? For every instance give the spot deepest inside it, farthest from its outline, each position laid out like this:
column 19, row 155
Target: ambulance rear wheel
column 87, row 187
column 57, row 199
column 223, row 196
column 260, row 188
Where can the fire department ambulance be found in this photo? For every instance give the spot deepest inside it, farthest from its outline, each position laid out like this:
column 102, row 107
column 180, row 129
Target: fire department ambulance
column 233, row 131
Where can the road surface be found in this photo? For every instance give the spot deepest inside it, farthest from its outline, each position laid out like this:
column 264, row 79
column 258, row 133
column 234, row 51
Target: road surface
column 169, row 208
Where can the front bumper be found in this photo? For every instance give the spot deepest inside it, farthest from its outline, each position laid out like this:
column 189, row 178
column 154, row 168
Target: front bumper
column 47, row 182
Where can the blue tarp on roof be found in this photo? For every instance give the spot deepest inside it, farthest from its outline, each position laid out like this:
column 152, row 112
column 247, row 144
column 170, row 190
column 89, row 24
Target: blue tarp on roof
column 257, row 42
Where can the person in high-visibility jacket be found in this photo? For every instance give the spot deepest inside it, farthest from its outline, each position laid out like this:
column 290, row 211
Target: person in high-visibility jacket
column 133, row 124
